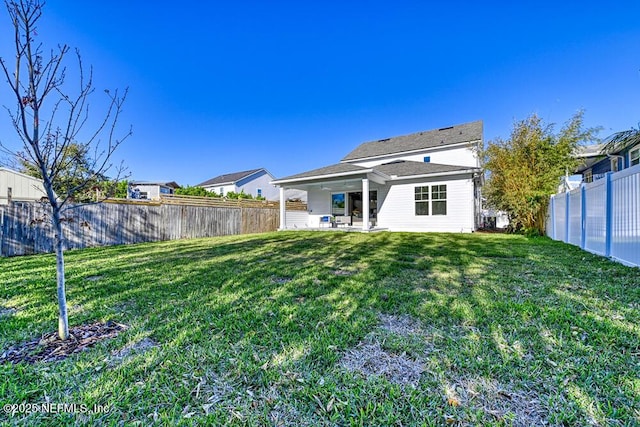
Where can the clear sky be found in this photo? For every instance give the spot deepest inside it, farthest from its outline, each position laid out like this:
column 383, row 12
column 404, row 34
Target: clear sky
column 219, row 87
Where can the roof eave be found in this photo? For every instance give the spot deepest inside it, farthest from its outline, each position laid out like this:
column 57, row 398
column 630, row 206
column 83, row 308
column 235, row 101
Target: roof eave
column 400, row 153
column 436, row 174
column 216, row 184
column 318, row 177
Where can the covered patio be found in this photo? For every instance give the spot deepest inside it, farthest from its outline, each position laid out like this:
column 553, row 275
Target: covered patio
column 336, row 197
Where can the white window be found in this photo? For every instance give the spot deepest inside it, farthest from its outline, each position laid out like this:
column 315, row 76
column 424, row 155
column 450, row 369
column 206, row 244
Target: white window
column 259, row 192
column 615, row 165
column 422, row 200
column 222, row 191
column 588, row 176
column 439, row 199
column 634, row 156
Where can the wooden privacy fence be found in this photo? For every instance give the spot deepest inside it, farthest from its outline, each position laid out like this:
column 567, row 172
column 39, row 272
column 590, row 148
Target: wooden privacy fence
column 25, row 227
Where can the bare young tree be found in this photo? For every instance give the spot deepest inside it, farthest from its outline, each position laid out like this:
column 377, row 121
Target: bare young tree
column 51, row 119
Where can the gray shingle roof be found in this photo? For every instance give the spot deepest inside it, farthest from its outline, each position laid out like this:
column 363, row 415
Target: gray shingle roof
column 466, row 132
column 408, row 168
column 399, row 169
column 172, row 184
column 327, row 170
column 228, row 178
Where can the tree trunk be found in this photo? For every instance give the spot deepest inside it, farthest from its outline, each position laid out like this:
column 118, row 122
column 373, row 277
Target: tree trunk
column 63, row 319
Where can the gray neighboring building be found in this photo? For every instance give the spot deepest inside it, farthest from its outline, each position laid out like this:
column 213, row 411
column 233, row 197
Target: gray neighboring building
column 150, row 190
column 254, row 182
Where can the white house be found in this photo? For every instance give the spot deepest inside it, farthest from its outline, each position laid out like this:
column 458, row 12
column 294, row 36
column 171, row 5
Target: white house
column 426, row 181
column 19, row 187
column 255, row 182
column 150, row 190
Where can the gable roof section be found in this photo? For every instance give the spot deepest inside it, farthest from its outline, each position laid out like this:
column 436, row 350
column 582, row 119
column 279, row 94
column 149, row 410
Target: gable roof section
column 332, row 170
column 457, row 134
column 171, row 184
column 394, row 170
column 228, row 178
column 405, row 168
column 21, row 174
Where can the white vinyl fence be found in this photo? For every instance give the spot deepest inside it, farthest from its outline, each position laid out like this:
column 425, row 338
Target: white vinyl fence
column 602, row 217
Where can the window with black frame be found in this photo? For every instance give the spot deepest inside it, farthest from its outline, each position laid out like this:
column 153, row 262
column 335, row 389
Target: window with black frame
column 337, row 204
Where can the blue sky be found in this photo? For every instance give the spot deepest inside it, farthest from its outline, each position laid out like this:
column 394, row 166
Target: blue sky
column 218, row 87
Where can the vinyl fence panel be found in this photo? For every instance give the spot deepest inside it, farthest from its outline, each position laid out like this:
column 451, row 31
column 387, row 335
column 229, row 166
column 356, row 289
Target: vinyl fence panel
column 575, row 217
column 596, row 217
column 625, row 221
column 602, row 217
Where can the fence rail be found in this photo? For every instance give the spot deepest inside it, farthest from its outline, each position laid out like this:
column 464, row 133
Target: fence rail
column 602, row 217
column 25, row 227
column 176, row 199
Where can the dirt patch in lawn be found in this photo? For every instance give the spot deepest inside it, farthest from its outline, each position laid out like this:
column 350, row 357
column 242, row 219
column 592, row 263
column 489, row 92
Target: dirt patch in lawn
column 51, row 348
column 132, row 348
column 400, row 325
column 7, row 311
column 372, row 360
column 499, row 402
column 341, row 272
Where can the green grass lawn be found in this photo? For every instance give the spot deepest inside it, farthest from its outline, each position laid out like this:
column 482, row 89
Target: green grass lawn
column 304, row 328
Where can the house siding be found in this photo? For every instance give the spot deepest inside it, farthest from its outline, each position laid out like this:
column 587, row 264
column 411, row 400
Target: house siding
column 216, row 188
column 23, row 187
column 397, row 207
column 455, row 156
column 250, row 184
column 318, row 205
column 604, row 165
column 260, row 180
column 297, row 220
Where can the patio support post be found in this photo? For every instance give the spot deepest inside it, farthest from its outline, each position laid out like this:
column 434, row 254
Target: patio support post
column 283, row 210
column 365, row 204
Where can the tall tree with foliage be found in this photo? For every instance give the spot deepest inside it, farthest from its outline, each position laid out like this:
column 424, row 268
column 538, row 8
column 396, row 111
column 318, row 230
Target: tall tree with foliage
column 525, row 170
column 195, row 191
column 51, row 118
column 75, row 177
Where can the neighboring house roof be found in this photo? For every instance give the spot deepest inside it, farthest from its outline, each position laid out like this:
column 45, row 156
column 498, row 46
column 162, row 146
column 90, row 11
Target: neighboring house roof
column 467, row 132
column 589, row 154
column 171, row 184
column 593, row 150
column 392, row 170
column 229, row 178
column 24, row 175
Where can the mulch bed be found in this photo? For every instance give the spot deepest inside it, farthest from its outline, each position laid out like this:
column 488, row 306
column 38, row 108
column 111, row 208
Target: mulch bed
column 51, row 348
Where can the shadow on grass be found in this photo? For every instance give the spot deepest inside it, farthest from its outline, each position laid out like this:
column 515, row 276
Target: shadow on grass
column 281, row 308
